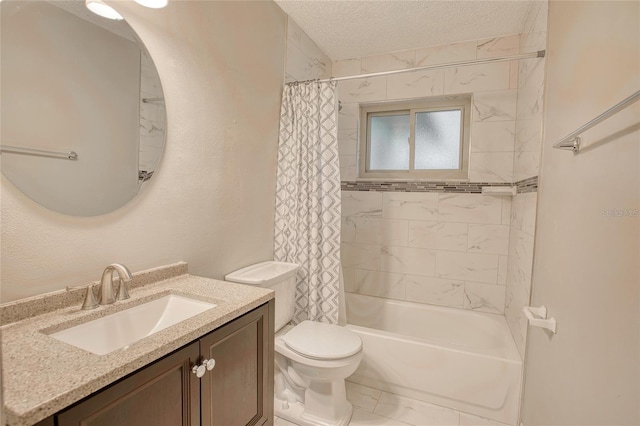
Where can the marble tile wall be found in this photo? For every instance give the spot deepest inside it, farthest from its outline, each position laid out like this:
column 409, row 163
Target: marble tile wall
column 528, row 131
column 526, row 165
column 494, row 88
column 520, row 265
column 152, row 116
column 447, row 249
column 304, row 59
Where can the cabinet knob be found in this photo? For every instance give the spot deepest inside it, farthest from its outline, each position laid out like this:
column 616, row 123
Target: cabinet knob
column 200, row 370
column 209, row 363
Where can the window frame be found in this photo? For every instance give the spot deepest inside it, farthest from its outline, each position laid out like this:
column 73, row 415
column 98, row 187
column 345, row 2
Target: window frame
column 449, row 103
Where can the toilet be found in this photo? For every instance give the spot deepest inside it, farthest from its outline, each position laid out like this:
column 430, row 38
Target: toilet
column 312, row 359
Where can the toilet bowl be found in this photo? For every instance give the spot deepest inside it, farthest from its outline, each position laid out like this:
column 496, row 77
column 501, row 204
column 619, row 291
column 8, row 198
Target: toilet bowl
column 317, row 358
column 312, row 359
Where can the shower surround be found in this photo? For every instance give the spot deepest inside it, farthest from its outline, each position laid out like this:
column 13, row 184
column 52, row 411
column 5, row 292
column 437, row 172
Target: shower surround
column 445, row 248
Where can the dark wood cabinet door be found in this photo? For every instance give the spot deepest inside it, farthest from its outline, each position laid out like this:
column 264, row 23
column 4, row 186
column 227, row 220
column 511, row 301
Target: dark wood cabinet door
column 166, row 393
column 239, row 391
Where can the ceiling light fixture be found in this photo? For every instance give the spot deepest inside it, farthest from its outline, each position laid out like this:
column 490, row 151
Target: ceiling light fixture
column 154, row 4
column 100, row 8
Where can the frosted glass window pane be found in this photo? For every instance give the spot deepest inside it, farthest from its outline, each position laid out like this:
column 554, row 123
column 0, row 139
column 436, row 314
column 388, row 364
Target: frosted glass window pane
column 389, row 142
column 438, row 140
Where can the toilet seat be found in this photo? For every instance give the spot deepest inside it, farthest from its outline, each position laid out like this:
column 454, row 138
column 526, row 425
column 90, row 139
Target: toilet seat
column 322, row 341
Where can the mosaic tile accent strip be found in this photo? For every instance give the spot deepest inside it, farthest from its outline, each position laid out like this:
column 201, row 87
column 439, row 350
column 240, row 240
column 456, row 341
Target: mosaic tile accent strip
column 526, row 185
column 418, row 186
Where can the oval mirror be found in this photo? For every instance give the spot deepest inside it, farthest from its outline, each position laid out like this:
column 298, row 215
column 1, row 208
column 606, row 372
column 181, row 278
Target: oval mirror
column 82, row 109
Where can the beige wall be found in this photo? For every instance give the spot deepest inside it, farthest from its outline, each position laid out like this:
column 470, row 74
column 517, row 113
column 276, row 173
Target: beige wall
column 588, row 235
column 211, row 200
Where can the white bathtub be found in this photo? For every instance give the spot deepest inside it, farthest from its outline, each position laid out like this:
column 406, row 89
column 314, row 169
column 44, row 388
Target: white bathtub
column 451, row 357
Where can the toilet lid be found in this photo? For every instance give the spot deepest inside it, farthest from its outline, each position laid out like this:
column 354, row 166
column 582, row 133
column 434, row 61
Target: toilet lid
column 322, row 341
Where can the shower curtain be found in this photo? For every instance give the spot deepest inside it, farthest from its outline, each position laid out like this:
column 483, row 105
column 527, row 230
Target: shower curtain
column 307, row 222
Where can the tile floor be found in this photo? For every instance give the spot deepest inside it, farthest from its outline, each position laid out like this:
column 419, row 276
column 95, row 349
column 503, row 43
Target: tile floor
column 373, row 407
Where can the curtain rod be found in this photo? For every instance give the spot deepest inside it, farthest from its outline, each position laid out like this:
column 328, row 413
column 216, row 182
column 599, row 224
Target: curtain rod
column 538, row 54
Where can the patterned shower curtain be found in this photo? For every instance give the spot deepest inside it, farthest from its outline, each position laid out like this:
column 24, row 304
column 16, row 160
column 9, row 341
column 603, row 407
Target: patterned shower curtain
column 307, row 223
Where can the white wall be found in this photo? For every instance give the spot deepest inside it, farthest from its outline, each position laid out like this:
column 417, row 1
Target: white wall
column 588, row 234
column 211, row 201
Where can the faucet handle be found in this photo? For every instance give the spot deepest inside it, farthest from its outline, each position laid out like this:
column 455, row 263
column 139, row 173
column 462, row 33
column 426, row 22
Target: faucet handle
column 90, row 301
column 123, row 293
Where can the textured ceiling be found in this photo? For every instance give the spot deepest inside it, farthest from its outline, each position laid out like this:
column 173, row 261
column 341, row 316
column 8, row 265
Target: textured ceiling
column 350, row 28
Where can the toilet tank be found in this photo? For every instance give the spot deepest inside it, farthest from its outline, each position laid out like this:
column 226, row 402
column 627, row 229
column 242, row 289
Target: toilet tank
column 278, row 276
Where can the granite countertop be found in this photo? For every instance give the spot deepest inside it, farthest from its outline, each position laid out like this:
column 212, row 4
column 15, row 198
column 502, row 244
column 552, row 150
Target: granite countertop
column 41, row 375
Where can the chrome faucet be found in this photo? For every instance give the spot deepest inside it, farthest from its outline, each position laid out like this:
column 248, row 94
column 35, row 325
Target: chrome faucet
column 106, row 283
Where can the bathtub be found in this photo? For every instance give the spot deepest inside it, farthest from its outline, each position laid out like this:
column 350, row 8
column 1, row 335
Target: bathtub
column 450, row 357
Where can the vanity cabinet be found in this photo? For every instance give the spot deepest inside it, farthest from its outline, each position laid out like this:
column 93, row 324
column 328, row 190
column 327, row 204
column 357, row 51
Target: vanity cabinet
column 241, row 392
column 237, row 391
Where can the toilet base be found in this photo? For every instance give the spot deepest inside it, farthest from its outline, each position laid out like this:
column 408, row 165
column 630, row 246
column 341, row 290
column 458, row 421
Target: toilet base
column 294, row 412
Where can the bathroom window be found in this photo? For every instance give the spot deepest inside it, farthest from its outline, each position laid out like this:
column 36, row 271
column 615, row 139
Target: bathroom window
column 426, row 139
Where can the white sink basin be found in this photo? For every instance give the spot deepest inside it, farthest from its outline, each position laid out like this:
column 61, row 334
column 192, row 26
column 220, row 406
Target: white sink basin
column 106, row 334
